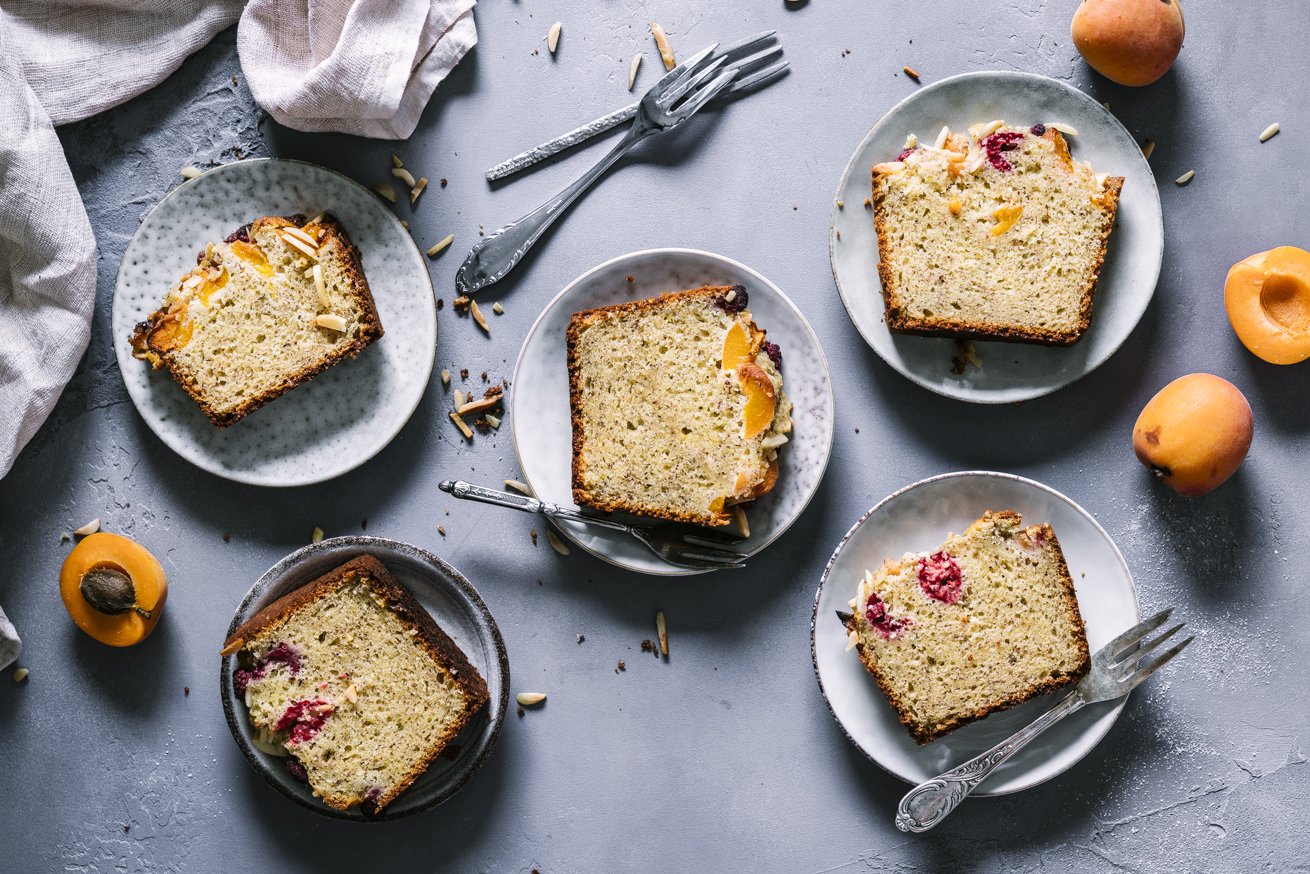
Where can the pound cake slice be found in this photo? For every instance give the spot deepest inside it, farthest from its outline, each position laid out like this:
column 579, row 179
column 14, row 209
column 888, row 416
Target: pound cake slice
column 353, row 680
column 986, row 622
column 274, row 304
column 997, row 234
column 677, row 405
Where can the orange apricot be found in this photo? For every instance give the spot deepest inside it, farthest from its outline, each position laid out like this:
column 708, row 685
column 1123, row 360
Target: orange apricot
column 738, row 347
column 1132, row 42
column 1194, row 433
column 761, row 399
column 1268, row 301
column 113, row 588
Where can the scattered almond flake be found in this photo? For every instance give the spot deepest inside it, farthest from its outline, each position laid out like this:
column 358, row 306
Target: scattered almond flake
column 319, row 286
column 89, row 528
column 463, row 428
column 302, row 235
column 317, row 220
column 298, row 245
column 498, row 309
column 730, row 296
column 493, row 421
column 990, row 128
column 64, row 537
column 662, row 43
column 1269, row 132
column 739, row 520
column 552, row 36
column 385, row 191
column 308, row 272
column 192, row 281
column 404, row 176
column 331, row 321
column 913, row 74
column 1185, row 178
column 480, row 405
column 190, row 171
column 520, row 487
column 479, row 317
column 395, row 160
column 555, row 543
column 1067, row 129
column 633, row 66
column 529, row 699
column 459, row 398
column 841, row 204
column 1147, row 148
column 441, row 529
column 445, row 376
column 317, row 535
column 352, row 694
column 663, row 629
column 851, row 640
column 942, row 135
column 20, row 674
column 418, row 189
column 404, row 224
column 441, row 245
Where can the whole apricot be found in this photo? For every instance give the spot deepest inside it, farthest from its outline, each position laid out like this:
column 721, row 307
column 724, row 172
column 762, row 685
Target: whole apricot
column 1132, row 42
column 1194, row 433
column 1268, row 301
column 113, row 588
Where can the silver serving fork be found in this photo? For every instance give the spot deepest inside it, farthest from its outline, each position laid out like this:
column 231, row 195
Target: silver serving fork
column 1119, row 667
column 756, row 58
column 672, row 100
column 686, row 546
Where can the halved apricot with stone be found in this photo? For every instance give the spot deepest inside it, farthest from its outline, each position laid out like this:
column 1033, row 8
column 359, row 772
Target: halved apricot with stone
column 761, row 399
column 113, row 588
column 737, row 347
column 1268, row 301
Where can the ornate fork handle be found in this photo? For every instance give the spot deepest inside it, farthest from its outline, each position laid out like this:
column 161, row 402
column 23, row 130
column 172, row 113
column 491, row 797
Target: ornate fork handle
column 927, row 804
column 523, row 160
column 472, row 492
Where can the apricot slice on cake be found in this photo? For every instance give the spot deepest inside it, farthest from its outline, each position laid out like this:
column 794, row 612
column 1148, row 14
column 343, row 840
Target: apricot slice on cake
column 761, row 398
column 113, row 588
column 1268, row 301
column 738, row 347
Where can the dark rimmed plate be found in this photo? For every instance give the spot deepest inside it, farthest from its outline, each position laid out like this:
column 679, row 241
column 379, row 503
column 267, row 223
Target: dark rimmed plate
column 455, row 605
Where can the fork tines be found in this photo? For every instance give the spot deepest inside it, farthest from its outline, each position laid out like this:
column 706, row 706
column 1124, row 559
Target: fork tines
column 1129, row 650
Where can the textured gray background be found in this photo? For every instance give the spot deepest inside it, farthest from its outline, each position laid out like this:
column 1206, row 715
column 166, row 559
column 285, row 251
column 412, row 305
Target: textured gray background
column 725, row 758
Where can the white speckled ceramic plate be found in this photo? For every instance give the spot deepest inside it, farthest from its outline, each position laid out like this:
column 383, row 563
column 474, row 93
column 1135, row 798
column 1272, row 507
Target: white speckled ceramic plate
column 460, row 612
column 1010, row 371
column 539, row 401
column 342, row 417
column 918, row 518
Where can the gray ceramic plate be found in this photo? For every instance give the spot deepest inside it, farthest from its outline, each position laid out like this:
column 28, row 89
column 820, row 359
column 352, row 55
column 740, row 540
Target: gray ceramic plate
column 456, row 607
column 918, row 518
column 342, row 417
column 1010, row 371
column 543, row 435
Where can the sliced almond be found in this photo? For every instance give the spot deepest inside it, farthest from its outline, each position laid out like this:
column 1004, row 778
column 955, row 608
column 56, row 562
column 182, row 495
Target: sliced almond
column 20, row 674
column 478, row 316
column 298, row 244
column 552, row 36
column 555, row 543
column 479, row 405
column 1185, row 178
column 852, row 639
column 395, row 160
column 1147, row 148
column 1067, row 129
column 441, row 245
column 418, row 188
column 460, row 424
column 942, row 135
column 633, row 66
column 317, row 271
column 385, row 191
column 89, row 528
column 317, row 220
column 663, row 629
column 404, row 176
column 530, row 699
column 445, row 376
column 190, row 172
column 352, row 694
column 990, row 128
column 498, row 309
column 913, row 74
column 302, row 235
column 233, row 647
column 1269, row 132
column 459, row 398
column 662, row 43
column 740, row 522
column 520, row 487
column 493, row 421
column 331, row 321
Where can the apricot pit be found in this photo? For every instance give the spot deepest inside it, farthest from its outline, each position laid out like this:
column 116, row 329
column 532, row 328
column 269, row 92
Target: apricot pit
column 113, row 588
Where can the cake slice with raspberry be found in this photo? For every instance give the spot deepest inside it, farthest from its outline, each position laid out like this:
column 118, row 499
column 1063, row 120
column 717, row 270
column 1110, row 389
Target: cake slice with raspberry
column 352, row 679
column 994, row 234
column 986, row 622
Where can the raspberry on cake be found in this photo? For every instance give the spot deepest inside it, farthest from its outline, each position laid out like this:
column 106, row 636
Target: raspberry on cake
column 677, row 406
column 277, row 302
column 352, row 680
column 998, row 234
column 986, row 622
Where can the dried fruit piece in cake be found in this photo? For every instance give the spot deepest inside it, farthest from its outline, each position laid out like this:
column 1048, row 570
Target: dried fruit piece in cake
column 277, row 302
column 351, row 677
column 986, row 622
column 997, row 234
column 677, row 405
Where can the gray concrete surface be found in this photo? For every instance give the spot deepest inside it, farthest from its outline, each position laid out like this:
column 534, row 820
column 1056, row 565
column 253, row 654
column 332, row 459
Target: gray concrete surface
column 724, row 759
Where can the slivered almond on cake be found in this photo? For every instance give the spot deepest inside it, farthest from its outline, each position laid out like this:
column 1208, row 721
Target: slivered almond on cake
column 994, row 234
column 677, row 406
column 352, row 679
column 979, row 625
column 263, row 311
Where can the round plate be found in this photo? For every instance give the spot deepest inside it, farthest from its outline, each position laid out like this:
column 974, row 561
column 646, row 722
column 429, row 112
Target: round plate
column 342, row 417
column 539, row 404
column 918, row 518
column 456, row 607
column 1010, row 371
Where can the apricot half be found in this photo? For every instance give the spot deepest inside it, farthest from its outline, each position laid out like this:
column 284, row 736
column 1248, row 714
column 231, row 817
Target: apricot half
column 1132, row 42
column 1268, row 301
column 1194, row 433
column 761, row 398
column 113, row 588
column 737, row 347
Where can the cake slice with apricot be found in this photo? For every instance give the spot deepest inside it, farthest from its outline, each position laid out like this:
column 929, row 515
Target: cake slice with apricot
column 678, row 406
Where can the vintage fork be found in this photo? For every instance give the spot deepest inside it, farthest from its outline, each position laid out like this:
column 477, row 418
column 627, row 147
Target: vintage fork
column 1117, row 669
column 672, row 100
column 683, row 545
column 756, row 57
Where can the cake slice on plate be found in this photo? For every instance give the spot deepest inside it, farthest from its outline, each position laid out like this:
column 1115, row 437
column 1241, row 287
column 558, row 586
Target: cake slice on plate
column 986, row 622
column 351, row 677
column 263, row 311
column 998, row 234
column 677, row 406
